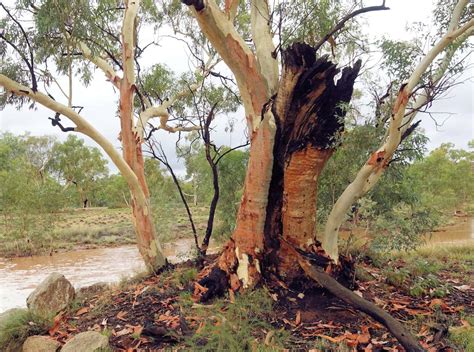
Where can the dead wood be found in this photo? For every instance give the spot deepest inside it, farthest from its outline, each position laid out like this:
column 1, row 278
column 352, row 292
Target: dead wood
column 406, row 339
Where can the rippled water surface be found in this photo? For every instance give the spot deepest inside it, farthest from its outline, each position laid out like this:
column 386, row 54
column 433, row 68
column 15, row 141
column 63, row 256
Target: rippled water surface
column 19, row 276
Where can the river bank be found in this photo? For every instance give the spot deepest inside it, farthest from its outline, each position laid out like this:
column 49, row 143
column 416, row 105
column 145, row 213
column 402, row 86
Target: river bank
column 92, row 228
column 95, row 228
column 430, row 290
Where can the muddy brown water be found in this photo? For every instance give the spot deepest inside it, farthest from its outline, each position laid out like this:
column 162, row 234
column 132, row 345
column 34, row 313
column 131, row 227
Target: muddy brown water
column 19, row 276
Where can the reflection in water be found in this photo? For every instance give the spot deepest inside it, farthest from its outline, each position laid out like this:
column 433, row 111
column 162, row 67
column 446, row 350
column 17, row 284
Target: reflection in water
column 19, row 276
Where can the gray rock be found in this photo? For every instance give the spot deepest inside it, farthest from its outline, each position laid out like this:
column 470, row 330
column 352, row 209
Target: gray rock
column 92, row 290
column 89, row 341
column 51, row 296
column 40, row 344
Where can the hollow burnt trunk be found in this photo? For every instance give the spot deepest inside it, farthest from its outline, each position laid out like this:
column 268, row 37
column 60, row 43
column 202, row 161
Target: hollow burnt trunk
column 309, row 111
column 303, row 120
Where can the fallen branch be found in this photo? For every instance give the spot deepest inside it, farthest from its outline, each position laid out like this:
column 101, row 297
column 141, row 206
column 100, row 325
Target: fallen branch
column 406, row 339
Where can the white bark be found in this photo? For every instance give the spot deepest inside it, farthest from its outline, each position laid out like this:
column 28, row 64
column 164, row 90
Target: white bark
column 220, row 31
column 370, row 173
column 128, row 37
column 262, row 38
column 162, row 112
column 102, row 64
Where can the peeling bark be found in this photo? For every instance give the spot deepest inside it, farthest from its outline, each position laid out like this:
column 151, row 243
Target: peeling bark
column 148, row 244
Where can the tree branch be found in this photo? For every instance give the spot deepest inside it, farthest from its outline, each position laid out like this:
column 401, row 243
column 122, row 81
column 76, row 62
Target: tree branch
column 220, row 31
column 262, row 38
column 100, row 63
column 342, row 22
column 81, row 126
column 31, row 62
column 405, row 338
column 371, row 172
column 161, row 157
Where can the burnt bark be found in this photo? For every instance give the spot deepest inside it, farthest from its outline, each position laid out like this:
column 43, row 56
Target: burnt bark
column 309, row 113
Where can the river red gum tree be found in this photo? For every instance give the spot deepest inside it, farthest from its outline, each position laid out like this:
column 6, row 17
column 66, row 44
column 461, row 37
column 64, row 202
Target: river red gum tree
column 294, row 118
column 294, row 121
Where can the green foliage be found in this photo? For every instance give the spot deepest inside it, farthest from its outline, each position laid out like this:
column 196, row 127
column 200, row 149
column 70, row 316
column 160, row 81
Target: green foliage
column 445, row 178
column 231, row 170
column 400, row 59
column 185, row 276
column 397, row 277
column 402, row 228
column 76, row 164
column 112, row 191
column 18, row 326
column 309, row 21
column 29, row 197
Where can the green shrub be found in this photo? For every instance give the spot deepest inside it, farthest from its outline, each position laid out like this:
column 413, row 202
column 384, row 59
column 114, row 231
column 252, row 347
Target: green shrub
column 463, row 337
column 18, row 326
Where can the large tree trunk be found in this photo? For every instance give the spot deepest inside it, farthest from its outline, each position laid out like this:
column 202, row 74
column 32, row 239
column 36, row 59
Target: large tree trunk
column 299, row 130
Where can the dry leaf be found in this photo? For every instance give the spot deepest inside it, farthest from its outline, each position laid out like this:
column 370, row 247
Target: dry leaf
column 82, row 311
column 298, row 318
column 124, row 331
column 332, row 339
column 121, row 315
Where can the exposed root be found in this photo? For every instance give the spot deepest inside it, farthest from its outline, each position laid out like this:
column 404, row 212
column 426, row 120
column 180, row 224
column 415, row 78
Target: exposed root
column 405, row 338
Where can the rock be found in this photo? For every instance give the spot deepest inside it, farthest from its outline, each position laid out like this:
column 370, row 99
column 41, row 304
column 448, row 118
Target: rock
column 89, row 341
column 40, row 344
column 92, row 290
column 51, row 296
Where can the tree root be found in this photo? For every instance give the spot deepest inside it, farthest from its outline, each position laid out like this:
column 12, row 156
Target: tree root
column 406, row 339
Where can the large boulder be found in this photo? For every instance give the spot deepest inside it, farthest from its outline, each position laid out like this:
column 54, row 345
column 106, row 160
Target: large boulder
column 40, row 344
column 89, row 341
column 51, row 296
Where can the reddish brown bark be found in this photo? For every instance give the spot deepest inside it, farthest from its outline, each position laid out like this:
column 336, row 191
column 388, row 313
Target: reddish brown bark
column 132, row 153
column 308, row 116
column 299, row 208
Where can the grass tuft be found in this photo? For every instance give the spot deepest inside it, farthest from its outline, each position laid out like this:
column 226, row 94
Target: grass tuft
column 16, row 328
column 240, row 326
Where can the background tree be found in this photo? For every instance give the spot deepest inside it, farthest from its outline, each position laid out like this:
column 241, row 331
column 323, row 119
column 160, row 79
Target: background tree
column 72, row 39
column 77, row 164
column 29, row 200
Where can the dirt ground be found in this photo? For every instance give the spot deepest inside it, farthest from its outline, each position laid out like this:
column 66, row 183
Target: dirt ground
column 158, row 312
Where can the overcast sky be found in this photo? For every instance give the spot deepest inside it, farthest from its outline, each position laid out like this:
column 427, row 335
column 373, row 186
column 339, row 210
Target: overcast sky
column 100, row 98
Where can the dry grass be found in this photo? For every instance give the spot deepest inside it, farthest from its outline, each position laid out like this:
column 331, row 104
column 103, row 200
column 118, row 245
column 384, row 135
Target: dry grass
column 99, row 227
